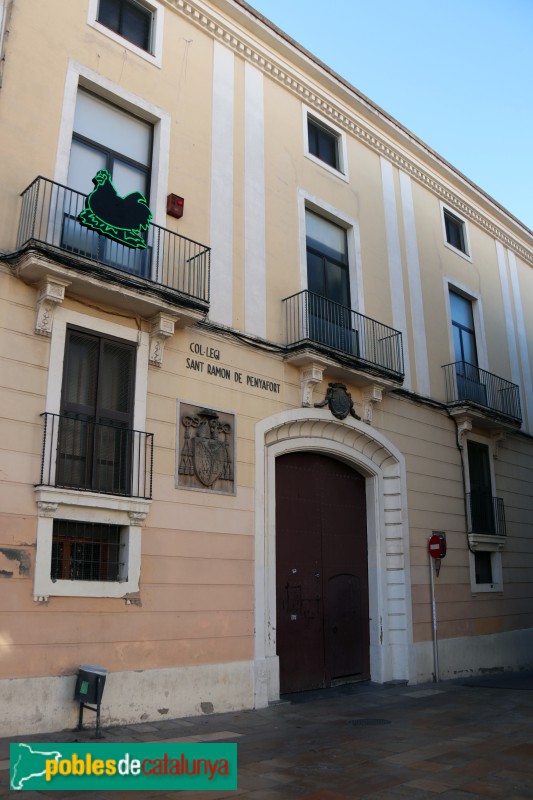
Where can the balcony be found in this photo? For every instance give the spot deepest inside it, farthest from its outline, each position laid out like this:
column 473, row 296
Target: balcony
column 171, row 271
column 489, row 397
column 87, row 456
column 314, row 323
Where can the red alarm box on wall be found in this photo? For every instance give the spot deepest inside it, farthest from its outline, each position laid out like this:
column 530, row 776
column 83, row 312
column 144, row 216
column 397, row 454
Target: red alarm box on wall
column 175, row 206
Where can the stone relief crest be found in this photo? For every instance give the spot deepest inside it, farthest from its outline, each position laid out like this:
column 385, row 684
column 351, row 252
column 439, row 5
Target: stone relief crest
column 206, row 449
column 339, row 400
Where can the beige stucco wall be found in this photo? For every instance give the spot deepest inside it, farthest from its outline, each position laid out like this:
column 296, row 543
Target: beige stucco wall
column 196, row 601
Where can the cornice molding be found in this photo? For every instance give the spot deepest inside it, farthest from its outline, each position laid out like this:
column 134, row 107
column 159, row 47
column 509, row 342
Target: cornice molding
column 342, row 118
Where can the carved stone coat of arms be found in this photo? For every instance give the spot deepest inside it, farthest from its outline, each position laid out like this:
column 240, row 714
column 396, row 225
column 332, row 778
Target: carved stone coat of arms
column 205, row 449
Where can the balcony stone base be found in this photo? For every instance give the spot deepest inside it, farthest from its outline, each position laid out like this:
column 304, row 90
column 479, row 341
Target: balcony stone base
column 105, row 287
column 356, row 375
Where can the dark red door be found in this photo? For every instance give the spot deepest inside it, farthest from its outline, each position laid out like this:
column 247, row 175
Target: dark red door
column 322, row 572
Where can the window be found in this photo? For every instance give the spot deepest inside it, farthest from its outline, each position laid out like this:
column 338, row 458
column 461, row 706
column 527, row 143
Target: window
column 483, row 515
column 129, row 19
column 86, row 551
column 483, row 566
column 486, row 521
column 328, row 283
column 486, row 573
column 106, row 137
column 323, row 143
column 468, row 376
column 95, row 436
column 455, row 232
column 106, row 478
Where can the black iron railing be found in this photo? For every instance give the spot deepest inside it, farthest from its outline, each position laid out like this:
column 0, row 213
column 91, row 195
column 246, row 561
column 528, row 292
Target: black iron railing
column 467, row 383
column 310, row 318
column 485, row 514
column 171, row 262
column 79, row 453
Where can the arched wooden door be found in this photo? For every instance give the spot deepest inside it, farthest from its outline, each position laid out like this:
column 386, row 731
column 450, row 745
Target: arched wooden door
column 322, row 633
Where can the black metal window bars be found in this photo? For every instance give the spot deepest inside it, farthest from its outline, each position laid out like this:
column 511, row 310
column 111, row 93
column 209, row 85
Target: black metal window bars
column 485, row 514
column 82, row 454
column 311, row 318
column 468, row 383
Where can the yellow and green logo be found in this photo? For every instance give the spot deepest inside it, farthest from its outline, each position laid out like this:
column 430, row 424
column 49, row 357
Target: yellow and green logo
column 101, row 766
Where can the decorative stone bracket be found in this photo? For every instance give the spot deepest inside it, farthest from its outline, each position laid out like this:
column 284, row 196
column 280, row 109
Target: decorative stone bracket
column 310, row 377
column 464, row 426
column 51, row 294
column 371, row 396
column 46, row 508
column 162, row 328
column 137, row 518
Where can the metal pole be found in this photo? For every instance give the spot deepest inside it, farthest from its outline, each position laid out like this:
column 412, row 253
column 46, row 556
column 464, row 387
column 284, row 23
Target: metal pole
column 434, row 618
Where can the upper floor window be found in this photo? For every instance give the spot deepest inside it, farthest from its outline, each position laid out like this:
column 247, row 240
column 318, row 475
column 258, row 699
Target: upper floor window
column 469, row 383
column 323, row 143
column 107, row 138
column 133, row 24
column 129, row 19
column 327, row 259
column 455, row 233
column 464, row 336
column 328, row 281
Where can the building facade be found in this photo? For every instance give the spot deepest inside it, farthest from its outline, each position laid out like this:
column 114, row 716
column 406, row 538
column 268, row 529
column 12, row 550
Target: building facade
column 258, row 343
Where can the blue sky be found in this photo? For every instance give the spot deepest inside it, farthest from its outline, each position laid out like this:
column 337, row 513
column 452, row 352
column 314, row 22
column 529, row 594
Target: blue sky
column 457, row 73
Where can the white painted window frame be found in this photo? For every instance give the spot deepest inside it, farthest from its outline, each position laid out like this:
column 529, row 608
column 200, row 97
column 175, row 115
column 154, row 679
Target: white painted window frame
column 342, row 171
column 156, row 56
column 490, row 544
column 467, row 255
column 496, row 567
column 56, row 503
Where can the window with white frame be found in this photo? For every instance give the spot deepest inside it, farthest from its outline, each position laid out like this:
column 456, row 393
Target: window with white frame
column 455, row 233
column 95, row 485
column 129, row 19
column 486, row 520
column 324, row 144
column 135, row 24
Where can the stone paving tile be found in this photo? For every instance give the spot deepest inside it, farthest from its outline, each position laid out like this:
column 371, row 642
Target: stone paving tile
column 428, row 785
column 487, row 788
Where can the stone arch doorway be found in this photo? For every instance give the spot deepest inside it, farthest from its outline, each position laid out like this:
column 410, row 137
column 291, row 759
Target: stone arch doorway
column 389, row 585
column 322, row 626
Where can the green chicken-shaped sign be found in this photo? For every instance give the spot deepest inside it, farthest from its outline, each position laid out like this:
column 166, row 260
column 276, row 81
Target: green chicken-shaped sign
column 120, row 218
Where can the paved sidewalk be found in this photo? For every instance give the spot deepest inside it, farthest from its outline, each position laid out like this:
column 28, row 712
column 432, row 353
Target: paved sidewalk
column 455, row 740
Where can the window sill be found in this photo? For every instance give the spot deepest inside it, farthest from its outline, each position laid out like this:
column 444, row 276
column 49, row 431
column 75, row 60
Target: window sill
column 487, row 542
column 327, row 167
column 458, row 252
